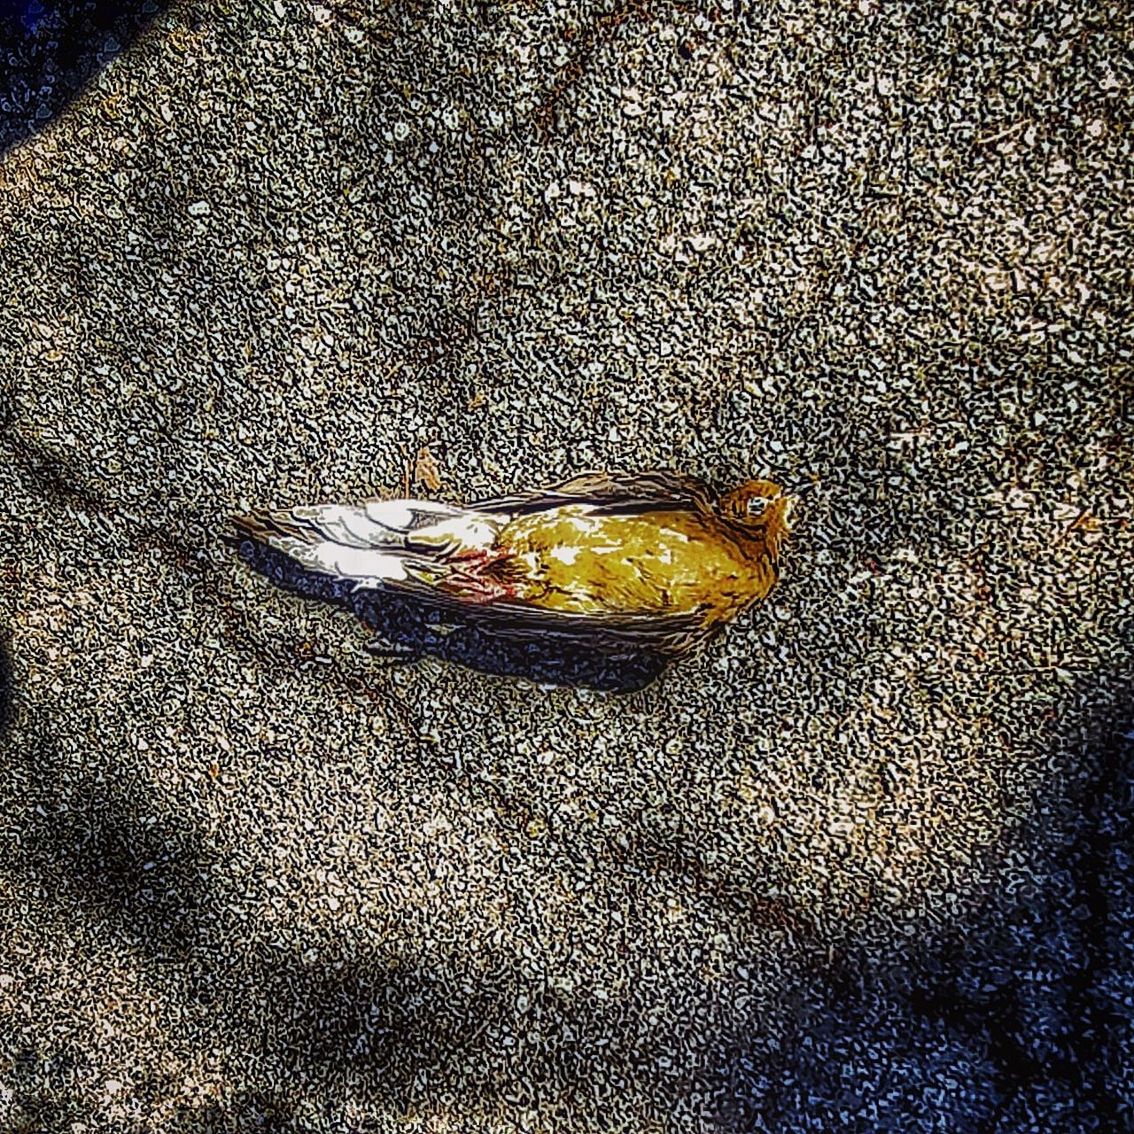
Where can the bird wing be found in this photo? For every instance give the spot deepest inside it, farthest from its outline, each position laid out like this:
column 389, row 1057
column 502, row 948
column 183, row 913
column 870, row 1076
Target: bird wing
column 611, row 493
column 415, row 548
column 665, row 633
column 373, row 543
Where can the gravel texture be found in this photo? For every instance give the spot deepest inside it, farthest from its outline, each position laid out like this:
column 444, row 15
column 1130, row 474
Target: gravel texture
column 864, row 864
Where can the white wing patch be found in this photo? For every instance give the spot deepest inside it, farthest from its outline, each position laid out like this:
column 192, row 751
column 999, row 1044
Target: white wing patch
column 333, row 558
column 468, row 531
column 417, row 525
column 405, row 515
column 383, row 540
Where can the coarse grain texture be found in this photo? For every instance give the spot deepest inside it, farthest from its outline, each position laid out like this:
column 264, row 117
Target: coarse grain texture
column 862, row 864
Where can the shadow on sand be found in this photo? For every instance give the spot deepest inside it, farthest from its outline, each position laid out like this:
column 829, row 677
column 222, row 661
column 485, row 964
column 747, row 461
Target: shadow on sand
column 6, row 687
column 1016, row 1018
column 51, row 49
column 409, row 630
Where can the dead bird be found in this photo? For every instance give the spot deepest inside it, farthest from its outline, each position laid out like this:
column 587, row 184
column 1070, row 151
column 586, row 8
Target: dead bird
column 655, row 561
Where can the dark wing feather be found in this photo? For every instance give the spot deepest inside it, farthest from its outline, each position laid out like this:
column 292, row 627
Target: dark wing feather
column 659, row 633
column 664, row 633
column 611, row 492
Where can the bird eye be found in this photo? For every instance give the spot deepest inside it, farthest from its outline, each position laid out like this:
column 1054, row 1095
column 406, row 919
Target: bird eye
column 756, row 505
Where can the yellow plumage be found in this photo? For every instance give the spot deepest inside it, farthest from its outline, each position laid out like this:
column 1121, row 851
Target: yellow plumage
column 654, row 560
column 658, row 563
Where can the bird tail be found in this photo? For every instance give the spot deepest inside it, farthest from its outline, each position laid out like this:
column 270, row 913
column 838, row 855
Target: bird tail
column 375, row 543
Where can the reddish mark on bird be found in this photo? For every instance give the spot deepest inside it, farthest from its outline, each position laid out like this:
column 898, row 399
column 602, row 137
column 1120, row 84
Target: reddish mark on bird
column 474, row 578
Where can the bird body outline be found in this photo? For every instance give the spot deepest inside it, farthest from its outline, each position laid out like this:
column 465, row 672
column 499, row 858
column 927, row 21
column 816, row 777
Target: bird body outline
column 653, row 560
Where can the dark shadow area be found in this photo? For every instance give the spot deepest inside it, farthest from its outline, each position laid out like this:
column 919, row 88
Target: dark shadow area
column 100, row 848
column 408, row 1027
column 7, row 689
column 99, row 841
column 415, row 1028
column 261, row 1111
column 1017, row 1018
column 87, row 845
column 414, row 629
column 42, row 1084
column 51, row 49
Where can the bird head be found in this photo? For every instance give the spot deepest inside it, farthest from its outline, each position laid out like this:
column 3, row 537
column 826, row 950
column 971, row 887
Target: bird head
column 760, row 506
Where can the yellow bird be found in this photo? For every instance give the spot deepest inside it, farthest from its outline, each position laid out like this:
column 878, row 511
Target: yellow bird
column 655, row 560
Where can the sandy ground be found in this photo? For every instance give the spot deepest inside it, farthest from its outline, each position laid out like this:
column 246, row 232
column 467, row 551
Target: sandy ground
column 863, row 864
